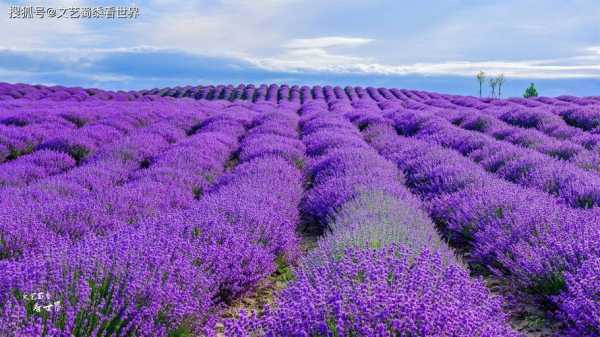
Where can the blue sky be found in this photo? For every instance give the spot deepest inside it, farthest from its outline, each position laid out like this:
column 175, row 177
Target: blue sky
column 429, row 45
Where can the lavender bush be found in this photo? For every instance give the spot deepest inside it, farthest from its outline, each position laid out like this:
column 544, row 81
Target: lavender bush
column 154, row 212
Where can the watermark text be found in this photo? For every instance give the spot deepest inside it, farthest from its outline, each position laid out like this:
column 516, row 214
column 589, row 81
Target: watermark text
column 102, row 12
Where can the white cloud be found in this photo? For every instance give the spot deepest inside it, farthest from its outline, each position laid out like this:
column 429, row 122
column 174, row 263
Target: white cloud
column 109, row 78
column 327, row 42
column 297, row 60
column 320, row 60
column 265, row 33
column 229, row 27
column 313, row 59
column 593, row 49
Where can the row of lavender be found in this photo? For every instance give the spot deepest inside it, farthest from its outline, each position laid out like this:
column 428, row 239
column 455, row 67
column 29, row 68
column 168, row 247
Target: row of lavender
column 574, row 114
column 9, row 92
column 58, row 228
column 549, row 130
column 563, row 128
column 541, row 243
column 568, row 144
column 271, row 92
column 98, row 293
column 380, row 268
column 145, row 236
column 108, row 168
column 561, row 117
column 278, row 93
column 538, row 243
column 40, row 140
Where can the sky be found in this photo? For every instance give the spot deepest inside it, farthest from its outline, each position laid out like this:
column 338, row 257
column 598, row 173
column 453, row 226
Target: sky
column 426, row 45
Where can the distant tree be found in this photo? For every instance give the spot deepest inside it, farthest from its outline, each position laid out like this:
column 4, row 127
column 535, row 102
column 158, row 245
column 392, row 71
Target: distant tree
column 493, row 85
column 481, row 79
column 531, row 91
column 500, row 80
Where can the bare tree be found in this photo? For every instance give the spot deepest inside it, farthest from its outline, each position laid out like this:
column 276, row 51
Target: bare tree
column 500, row 80
column 481, row 79
column 493, row 85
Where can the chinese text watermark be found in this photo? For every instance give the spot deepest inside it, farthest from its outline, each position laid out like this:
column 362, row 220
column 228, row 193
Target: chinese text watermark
column 102, row 12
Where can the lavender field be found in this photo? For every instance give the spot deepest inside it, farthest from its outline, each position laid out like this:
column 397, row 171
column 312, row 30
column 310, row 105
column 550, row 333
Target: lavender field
column 251, row 211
